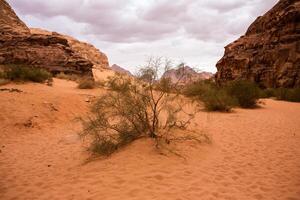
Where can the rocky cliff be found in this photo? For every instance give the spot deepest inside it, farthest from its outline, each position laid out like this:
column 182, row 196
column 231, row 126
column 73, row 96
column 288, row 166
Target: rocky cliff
column 52, row 51
column 269, row 52
column 10, row 22
column 85, row 50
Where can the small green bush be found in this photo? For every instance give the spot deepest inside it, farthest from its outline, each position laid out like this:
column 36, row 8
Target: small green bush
column 213, row 97
column 218, row 100
column 87, row 83
column 198, row 88
column 286, row 94
column 2, row 75
column 267, row 93
column 247, row 93
column 25, row 73
column 3, row 81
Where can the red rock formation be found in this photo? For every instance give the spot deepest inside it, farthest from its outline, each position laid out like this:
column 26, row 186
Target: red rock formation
column 185, row 75
column 86, row 50
column 54, row 52
column 121, row 70
column 10, row 22
column 269, row 53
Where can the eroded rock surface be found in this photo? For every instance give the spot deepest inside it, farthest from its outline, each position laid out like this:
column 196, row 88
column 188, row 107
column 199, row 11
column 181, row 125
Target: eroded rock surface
column 269, row 52
column 86, row 50
column 52, row 51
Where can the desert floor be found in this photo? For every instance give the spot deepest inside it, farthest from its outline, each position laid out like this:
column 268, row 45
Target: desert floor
column 255, row 154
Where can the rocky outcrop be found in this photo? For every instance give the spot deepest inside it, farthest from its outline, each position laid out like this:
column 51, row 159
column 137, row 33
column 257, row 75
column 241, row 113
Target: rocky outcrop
column 10, row 22
column 121, row 70
column 185, row 74
column 52, row 51
column 269, row 52
column 85, row 50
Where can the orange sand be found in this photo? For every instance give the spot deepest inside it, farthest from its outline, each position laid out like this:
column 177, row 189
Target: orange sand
column 255, row 153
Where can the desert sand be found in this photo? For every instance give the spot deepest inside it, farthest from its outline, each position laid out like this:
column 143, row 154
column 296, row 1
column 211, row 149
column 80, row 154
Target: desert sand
column 255, row 154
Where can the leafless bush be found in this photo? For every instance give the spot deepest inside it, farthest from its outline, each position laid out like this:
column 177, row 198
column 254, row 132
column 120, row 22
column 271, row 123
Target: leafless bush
column 138, row 108
column 86, row 83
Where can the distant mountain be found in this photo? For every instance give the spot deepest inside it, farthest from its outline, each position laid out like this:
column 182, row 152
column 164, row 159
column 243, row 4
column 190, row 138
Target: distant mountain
column 121, row 70
column 186, row 75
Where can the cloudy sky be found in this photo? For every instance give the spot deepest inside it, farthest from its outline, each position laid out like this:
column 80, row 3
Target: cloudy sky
column 129, row 31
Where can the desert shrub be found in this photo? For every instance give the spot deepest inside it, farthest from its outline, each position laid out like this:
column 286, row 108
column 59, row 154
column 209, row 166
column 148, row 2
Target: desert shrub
column 214, row 98
column 135, row 109
column 198, row 88
column 2, row 74
column 103, row 147
column 69, row 77
column 286, row 94
column 281, row 93
column 26, row 73
column 165, row 85
column 100, row 83
column 294, row 95
column 217, row 100
column 3, row 77
column 3, row 81
column 119, row 83
column 86, row 83
column 118, row 120
column 267, row 93
column 246, row 92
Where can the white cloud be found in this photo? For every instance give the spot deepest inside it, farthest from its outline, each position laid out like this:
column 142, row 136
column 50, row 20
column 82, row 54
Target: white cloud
column 130, row 30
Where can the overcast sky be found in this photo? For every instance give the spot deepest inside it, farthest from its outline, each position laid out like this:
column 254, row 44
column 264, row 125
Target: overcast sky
column 129, row 31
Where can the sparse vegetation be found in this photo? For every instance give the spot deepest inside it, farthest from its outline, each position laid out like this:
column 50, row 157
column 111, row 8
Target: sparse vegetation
column 119, row 83
column 217, row 98
column 286, row 94
column 87, row 83
column 100, row 83
column 198, row 88
column 3, row 81
column 213, row 97
column 69, row 77
column 135, row 109
column 25, row 73
column 247, row 93
column 84, row 82
column 267, row 93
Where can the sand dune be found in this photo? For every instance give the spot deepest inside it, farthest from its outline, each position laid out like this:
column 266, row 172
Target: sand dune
column 255, row 154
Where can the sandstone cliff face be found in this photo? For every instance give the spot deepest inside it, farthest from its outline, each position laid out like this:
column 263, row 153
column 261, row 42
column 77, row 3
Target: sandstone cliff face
column 54, row 52
column 269, row 53
column 85, row 50
column 9, row 21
